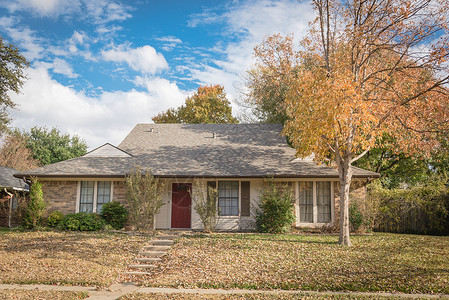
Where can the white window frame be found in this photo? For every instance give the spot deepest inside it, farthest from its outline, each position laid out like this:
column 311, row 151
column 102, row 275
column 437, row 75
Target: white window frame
column 315, row 206
column 239, row 198
column 78, row 195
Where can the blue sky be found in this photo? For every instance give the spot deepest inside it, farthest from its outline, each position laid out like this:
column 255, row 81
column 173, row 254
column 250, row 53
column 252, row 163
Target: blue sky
column 98, row 67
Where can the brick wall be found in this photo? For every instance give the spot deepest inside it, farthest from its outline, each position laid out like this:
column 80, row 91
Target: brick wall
column 60, row 195
column 119, row 193
column 357, row 192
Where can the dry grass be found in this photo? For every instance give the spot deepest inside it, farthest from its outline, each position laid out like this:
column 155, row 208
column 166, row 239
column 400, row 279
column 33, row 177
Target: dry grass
column 382, row 262
column 38, row 295
column 65, row 258
column 256, row 296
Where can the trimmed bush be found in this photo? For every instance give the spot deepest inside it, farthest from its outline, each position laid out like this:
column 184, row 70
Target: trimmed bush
column 355, row 217
column 275, row 214
column 115, row 214
column 55, row 218
column 82, row 222
column 36, row 207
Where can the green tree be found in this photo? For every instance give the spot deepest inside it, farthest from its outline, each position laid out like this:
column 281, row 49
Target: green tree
column 144, row 196
column 51, row 146
column 36, row 207
column 12, row 64
column 207, row 105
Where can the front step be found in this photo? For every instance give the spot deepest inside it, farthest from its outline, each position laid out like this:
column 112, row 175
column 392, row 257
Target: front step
column 156, row 248
column 148, row 259
column 142, row 266
column 136, row 273
column 167, row 237
column 152, row 253
column 162, row 242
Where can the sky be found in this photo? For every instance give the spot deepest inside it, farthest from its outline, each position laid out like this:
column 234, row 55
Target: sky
column 99, row 67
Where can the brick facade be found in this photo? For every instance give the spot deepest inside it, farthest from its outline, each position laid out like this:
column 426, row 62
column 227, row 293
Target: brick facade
column 357, row 193
column 60, row 195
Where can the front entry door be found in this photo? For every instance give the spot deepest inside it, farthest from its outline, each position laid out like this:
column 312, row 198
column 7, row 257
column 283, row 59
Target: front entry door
column 181, row 204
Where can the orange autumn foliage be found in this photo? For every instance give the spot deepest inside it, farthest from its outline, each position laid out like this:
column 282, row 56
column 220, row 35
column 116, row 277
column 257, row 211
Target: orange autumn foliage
column 366, row 68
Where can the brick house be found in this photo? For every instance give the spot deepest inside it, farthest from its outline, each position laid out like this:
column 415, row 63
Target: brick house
column 235, row 158
column 11, row 189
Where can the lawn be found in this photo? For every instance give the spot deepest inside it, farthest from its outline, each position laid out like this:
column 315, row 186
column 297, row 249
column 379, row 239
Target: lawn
column 381, row 262
column 65, row 258
column 54, row 295
column 255, row 296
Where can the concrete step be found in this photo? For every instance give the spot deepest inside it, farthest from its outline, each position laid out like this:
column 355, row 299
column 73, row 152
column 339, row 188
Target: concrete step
column 142, row 266
column 152, row 253
column 136, row 273
column 148, row 259
column 167, row 237
column 162, row 242
column 156, row 248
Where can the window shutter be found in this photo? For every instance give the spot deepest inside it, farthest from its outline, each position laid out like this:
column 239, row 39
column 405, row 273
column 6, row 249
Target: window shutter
column 245, row 205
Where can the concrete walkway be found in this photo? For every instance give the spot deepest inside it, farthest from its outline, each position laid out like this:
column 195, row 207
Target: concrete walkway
column 119, row 289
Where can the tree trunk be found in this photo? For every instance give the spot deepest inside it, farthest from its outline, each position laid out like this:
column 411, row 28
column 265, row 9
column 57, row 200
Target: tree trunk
column 345, row 177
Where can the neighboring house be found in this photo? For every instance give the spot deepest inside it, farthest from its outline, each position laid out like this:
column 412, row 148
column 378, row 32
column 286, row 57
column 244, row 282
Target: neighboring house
column 10, row 189
column 238, row 159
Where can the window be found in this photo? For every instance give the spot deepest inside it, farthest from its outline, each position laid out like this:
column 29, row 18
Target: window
column 306, row 202
column 228, row 198
column 323, row 199
column 103, row 194
column 93, row 195
column 87, row 196
column 315, row 202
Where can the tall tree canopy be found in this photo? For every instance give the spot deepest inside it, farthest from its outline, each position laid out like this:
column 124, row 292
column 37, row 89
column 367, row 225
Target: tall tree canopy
column 14, row 153
column 51, row 146
column 12, row 64
column 207, row 105
column 367, row 68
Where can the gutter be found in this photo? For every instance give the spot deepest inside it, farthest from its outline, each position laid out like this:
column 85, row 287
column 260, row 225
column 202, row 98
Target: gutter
column 10, row 206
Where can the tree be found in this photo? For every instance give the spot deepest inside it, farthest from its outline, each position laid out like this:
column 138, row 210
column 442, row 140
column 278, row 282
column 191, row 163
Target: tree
column 144, row 197
column 14, row 153
column 205, row 200
column 51, row 146
column 363, row 72
column 207, row 105
column 36, row 207
column 12, row 64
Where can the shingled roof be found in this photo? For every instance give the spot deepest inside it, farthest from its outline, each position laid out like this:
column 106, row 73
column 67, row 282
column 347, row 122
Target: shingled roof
column 8, row 181
column 196, row 150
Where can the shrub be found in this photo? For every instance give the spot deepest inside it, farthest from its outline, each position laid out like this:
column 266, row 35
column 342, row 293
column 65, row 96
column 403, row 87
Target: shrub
column 355, row 217
column 144, row 197
column 55, row 218
column 205, row 200
column 36, row 207
column 421, row 209
column 82, row 222
column 115, row 214
column 275, row 214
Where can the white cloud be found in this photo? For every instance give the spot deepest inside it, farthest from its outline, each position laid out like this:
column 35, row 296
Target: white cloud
column 97, row 12
column 143, row 59
column 59, row 66
column 250, row 22
column 106, row 118
column 170, row 42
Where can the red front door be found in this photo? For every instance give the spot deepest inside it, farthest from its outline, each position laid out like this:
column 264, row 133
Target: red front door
column 180, row 207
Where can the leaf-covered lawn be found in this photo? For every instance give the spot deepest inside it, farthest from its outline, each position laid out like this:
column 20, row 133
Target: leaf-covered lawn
column 65, row 258
column 256, row 296
column 54, row 295
column 381, row 262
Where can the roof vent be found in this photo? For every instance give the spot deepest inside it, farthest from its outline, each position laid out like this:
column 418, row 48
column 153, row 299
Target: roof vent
column 214, row 135
column 152, row 130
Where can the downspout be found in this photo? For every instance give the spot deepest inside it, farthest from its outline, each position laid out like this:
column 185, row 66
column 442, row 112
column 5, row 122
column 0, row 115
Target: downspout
column 10, row 207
